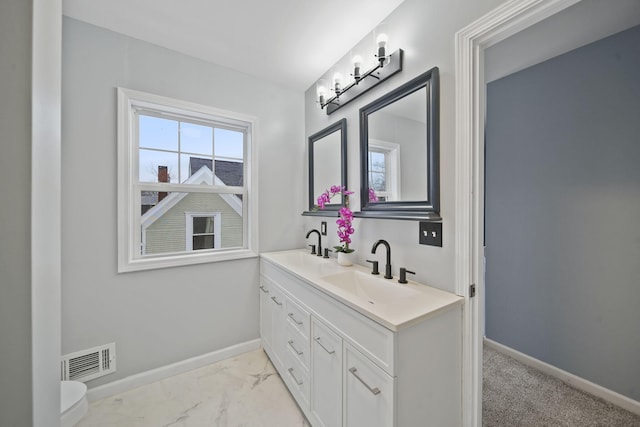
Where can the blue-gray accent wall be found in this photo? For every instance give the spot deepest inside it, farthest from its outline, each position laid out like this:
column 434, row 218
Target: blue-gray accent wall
column 562, row 214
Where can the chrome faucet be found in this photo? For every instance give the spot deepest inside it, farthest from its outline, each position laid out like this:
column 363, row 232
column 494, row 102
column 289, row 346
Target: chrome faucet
column 387, row 267
column 319, row 242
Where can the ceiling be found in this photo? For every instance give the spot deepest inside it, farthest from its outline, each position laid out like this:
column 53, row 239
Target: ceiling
column 287, row 42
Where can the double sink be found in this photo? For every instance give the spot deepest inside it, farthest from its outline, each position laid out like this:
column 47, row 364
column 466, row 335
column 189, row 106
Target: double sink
column 392, row 304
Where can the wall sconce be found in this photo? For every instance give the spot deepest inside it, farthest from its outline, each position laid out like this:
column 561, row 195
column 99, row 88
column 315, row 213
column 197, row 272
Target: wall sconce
column 387, row 65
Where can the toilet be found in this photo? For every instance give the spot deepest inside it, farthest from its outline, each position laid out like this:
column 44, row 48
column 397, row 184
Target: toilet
column 73, row 402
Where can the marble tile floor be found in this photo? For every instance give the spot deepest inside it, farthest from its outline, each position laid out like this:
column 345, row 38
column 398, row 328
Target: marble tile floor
column 244, row 391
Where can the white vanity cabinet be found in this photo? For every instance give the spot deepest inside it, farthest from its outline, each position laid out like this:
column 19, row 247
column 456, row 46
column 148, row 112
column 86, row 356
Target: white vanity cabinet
column 347, row 369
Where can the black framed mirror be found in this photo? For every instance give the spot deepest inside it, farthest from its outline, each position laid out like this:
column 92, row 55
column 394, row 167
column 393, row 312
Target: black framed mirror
column 399, row 152
column 327, row 166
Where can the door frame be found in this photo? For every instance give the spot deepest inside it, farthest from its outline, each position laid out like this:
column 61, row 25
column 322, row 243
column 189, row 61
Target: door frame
column 470, row 43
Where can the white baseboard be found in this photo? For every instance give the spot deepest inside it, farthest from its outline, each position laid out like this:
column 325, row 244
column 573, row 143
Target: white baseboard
column 573, row 380
column 148, row 377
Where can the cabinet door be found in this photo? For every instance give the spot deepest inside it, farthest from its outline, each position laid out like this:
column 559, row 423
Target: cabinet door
column 326, row 374
column 265, row 316
column 278, row 322
column 368, row 392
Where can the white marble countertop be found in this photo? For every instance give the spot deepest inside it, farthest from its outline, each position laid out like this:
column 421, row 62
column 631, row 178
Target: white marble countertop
column 385, row 301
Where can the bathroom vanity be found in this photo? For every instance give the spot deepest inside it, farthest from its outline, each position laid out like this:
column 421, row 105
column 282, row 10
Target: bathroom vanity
column 358, row 350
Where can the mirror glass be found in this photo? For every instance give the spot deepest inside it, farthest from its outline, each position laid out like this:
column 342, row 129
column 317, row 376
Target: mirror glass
column 327, row 166
column 326, row 162
column 399, row 152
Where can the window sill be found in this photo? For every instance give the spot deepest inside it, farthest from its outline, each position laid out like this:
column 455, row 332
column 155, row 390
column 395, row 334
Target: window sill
column 140, row 264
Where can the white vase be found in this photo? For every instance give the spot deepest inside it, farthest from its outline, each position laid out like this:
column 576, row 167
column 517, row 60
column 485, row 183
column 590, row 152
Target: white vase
column 345, row 259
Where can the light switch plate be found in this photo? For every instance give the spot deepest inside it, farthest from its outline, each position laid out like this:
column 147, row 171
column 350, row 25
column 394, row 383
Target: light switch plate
column 431, row 233
column 323, row 228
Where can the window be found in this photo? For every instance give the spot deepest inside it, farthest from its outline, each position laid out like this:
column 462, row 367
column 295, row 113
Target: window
column 203, row 231
column 185, row 183
column 383, row 169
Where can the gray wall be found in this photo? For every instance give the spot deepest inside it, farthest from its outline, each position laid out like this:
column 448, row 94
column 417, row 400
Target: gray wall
column 562, row 203
column 167, row 315
column 425, row 30
column 15, row 213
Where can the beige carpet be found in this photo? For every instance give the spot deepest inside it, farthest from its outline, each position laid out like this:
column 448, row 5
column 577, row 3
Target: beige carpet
column 516, row 395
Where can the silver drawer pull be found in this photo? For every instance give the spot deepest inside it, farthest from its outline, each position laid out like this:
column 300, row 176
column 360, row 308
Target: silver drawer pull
column 294, row 377
column 276, row 301
column 263, row 289
column 294, row 348
column 294, row 319
column 374, row 390
column 317, row 339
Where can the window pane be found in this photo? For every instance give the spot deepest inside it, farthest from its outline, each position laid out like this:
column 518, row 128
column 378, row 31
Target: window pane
column 376, row 161
column 165, row 217
column 196, row 139
column 203, row 242
column 377, row 181
column 153, row 163
column 202, row 225
column 229, row 172
column 190, row 164
column 229, row 144
column 158, row 133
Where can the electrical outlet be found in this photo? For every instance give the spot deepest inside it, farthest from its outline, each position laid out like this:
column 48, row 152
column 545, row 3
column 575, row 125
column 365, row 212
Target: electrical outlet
column 431, row 233
column 323, row 228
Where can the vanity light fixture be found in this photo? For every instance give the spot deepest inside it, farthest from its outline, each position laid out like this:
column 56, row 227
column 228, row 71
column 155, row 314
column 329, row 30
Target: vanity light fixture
column 386, row 66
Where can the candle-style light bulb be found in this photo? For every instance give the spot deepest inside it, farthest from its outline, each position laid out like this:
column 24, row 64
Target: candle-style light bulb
column 321, row 91
column 357, row 63
column 382, row 39
column 337, row 83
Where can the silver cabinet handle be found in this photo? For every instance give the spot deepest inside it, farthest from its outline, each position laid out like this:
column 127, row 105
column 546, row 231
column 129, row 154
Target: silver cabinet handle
column 294, row 319
column 294, row 348
column 263, row 289
column 294, row 377
column 374, row 390
column 317, row 339
column 276, row 301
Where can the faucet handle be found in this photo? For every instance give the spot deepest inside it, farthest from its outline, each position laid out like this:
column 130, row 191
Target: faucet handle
column 375, row 266
column 326, row 252
column 403, row 275
column 313, row 249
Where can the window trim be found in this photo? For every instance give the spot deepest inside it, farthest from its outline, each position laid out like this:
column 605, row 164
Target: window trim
column 128, row 207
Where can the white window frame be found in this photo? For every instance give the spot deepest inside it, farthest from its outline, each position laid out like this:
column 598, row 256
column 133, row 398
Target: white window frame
column 130, row 257
column 217, row 227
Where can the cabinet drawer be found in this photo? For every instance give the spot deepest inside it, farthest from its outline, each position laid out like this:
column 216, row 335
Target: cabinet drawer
column 298, row 346
column 298, row 317
column 326, row 339
column 298, row 380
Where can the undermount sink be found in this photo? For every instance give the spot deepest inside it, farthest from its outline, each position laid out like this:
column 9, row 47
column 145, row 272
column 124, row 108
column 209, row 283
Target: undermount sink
column 373, row 289
column 299, row 258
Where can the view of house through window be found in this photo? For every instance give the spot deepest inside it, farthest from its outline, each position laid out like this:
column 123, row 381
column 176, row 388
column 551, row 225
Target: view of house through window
column 189, row 153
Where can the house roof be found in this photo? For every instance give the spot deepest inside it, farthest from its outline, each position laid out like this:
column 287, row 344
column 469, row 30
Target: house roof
column 230, row 173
